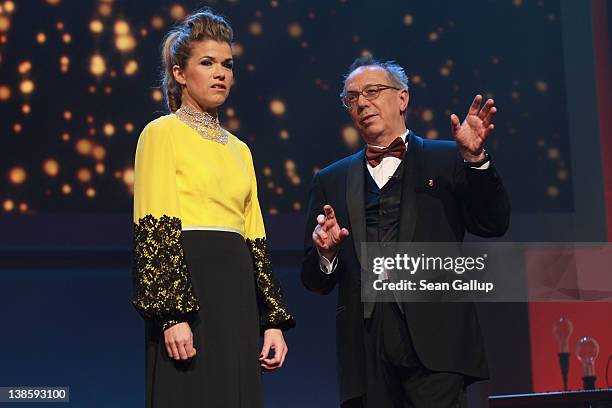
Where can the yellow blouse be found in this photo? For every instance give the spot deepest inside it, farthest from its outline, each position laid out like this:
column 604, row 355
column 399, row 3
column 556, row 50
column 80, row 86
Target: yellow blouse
column 204, row 183
column 184, row 181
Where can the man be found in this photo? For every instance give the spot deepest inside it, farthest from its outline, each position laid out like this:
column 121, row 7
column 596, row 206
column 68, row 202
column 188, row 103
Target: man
column 401, row 188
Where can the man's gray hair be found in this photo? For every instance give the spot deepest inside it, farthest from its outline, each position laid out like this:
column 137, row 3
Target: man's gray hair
column 396, row 73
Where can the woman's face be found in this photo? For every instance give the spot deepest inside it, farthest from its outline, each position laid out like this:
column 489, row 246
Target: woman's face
column 207, row 76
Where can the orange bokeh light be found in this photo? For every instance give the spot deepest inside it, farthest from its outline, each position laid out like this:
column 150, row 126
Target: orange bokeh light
column 17, row 175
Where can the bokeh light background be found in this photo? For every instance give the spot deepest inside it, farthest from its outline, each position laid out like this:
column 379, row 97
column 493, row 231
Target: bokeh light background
column 79, row 80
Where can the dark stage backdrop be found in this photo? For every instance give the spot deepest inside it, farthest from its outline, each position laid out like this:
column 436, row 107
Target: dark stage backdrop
column 78, row 81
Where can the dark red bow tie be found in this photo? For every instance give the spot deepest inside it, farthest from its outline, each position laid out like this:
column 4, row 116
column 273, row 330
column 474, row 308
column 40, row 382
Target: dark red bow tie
column 397, row 148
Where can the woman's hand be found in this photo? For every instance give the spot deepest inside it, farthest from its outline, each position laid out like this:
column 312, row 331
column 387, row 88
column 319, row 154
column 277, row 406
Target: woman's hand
column 273, row 340
column 179, row 341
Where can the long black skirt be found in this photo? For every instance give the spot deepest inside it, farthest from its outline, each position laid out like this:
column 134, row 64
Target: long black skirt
column 225, row 371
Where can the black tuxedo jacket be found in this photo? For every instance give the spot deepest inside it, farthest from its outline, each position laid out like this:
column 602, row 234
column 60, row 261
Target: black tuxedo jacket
column 446, row 336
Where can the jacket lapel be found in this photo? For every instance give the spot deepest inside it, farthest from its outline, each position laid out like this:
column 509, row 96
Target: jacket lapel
column 355, row 200
column 410, row 180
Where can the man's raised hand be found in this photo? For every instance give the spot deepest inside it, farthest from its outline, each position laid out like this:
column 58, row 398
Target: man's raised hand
column 327, row 235
column 471, row 134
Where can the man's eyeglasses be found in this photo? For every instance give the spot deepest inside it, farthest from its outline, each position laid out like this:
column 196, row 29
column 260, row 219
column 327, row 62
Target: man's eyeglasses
column 370, row 92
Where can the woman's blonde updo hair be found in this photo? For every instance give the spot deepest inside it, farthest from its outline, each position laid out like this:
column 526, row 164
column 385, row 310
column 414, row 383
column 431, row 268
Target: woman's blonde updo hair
column 176, row 47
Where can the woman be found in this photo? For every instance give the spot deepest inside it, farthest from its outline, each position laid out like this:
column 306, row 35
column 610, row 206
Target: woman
column 202, row 276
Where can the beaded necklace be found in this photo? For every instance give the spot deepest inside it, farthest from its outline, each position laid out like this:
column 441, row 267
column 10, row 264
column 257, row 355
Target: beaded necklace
column 204, row 123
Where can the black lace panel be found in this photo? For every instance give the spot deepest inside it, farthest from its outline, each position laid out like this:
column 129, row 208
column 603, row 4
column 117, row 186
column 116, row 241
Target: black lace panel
column 272, row 308
column 162, row 287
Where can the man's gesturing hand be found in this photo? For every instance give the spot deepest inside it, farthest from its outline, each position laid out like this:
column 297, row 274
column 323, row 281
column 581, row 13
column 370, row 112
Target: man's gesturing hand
column 475, row 129
column 327, row 235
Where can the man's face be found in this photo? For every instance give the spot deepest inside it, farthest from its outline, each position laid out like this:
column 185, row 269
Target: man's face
column 381, row 116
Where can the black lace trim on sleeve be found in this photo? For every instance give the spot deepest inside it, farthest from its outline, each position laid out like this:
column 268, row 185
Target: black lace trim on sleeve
column 272, row 308
column 162, row 286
